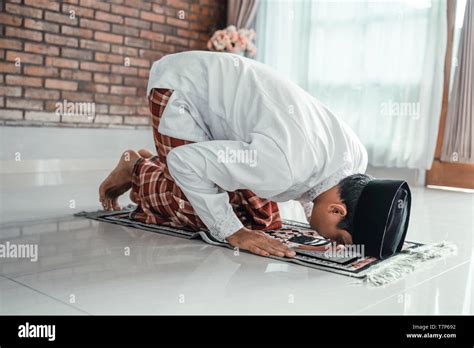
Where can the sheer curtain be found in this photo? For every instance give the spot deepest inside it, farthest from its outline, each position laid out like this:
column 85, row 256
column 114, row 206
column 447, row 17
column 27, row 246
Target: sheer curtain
column 241, row 13
column 458, row 142
column 377, row 64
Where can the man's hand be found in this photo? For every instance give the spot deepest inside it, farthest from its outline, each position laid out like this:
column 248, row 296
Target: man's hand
column 259, row 243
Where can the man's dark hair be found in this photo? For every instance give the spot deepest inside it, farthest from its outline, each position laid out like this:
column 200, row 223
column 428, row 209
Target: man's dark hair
column 350, row 189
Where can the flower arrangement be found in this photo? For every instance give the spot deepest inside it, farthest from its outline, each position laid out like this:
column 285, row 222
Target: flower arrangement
column 232, row 40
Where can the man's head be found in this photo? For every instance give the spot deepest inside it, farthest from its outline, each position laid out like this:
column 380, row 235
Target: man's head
column 333, row 211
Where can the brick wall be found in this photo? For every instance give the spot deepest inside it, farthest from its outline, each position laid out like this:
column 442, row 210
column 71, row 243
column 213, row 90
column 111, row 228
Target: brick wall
column 62, row 60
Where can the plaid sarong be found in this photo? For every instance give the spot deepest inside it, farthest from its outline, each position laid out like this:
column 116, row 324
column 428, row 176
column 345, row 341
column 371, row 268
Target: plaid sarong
column 161, row 201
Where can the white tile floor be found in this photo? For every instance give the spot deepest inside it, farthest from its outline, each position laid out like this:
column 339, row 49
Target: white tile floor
column 82, row 266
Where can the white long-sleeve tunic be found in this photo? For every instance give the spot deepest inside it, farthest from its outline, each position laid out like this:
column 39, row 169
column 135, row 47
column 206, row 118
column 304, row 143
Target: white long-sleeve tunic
column 253, row 129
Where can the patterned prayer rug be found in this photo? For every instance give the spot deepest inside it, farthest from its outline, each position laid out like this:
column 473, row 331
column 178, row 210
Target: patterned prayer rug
column 312, row 250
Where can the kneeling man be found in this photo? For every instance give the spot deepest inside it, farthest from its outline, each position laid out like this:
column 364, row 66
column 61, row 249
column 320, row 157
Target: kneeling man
column 232, row 139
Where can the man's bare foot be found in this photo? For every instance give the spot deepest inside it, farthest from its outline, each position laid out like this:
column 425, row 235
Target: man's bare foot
column 119, row 181
column 133, row 197
column 145, row 153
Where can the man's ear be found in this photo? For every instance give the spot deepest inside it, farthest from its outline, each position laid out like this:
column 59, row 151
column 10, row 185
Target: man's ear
column 337, row 208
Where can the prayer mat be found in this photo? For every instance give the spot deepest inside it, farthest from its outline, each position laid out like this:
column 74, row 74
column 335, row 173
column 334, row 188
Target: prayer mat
column 311, row 249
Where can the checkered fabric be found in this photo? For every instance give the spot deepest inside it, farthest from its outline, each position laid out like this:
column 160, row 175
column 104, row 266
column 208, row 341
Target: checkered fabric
column 161, row 201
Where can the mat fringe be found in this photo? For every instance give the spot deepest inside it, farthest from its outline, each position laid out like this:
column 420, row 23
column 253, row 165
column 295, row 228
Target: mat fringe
column 396, row 267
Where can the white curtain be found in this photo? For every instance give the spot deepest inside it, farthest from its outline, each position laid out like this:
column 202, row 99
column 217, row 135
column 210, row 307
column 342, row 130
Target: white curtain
column 458, row 140
column 377, row 64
